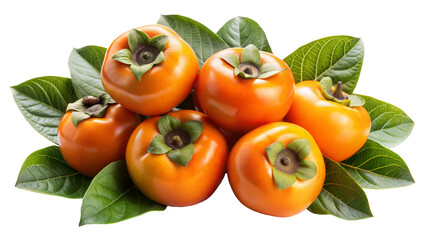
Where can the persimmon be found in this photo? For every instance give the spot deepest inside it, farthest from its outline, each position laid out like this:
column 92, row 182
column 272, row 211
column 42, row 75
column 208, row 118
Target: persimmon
column 178, row 159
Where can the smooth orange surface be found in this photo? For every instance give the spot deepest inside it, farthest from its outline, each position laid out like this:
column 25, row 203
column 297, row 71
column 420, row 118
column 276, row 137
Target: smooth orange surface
column 167, row 182
column 240, row 105
column 250, row 172
column 340, row 131
column 161, row 88
column 96, row 142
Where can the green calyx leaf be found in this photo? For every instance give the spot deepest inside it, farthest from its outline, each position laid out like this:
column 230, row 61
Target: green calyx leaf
column 136, row 39
column 158, row 146
column 176, row 139
column 301, row 147
column 194, row 129
column 77, row 117
column 289, row 163
column 89, row 106
column 183, row 155
column 273, row 150
column 307, row 170
column 335, row 94
column 282, row 179
column 356, row 101
column 251, row 55
column 143, row 53
column 168, row 123
column 124, row 56
column 249, row 67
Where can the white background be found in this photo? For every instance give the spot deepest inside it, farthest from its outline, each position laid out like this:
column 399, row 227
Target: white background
column 36, row 38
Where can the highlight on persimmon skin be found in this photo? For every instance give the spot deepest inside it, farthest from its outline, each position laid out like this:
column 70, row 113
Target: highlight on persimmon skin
column 168, row 182
column 250, row 172
column 239, row 104
column 165, row 85
column 339, row 130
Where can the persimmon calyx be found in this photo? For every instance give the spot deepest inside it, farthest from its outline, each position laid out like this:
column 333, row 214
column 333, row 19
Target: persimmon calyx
column 143, row 53
column 290, row 163
column 249, row 66
column 89, row 106
column 176, row 139
column 336, row 94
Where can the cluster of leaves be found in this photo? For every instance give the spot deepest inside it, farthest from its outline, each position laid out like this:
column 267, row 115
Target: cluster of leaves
column 111, row 196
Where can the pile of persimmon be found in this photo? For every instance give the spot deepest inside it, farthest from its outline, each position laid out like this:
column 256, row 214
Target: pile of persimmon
column 251, row 121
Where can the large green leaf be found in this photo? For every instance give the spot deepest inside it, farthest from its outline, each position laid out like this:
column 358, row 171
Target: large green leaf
column 43, row 101
column 85, row 67
column 46, row 171
column 202, row 40
column 338, row 57
column 389, row 125
column 242, row 31
column 112, row 197
column 341, row 196
column 375, row 166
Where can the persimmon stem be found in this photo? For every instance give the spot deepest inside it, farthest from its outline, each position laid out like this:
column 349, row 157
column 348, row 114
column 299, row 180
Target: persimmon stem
column 250, row 69
column 144, row 55
column 177, row 138
column 287, row 161
column 338, row 92
column 90, row 101
column 176, row 141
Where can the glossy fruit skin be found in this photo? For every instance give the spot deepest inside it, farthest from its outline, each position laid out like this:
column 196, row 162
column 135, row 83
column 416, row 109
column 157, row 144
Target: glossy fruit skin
column 161, row 88
column 167, row 182
column 96, row 142
column 250, row 172
column 340, row 131
column 240, row 105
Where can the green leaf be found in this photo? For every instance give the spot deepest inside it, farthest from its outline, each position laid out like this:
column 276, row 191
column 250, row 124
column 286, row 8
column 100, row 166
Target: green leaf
column 43, row 102
column 375, row 166
column 85, row 67
column 167, row 123
column 338, row 57
column 251, row 54
column 307, row 170
column 124, row 56
column 389, row 125
column 273, row 150
column 112, row 197
column 242, row 31
column 183, row 155
column 46, row 171
column 283, row 180
column 202, row 40
column 136, row 39
column 158, row 146
column 301, row 147
column 194, row 129
column 341, row 196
